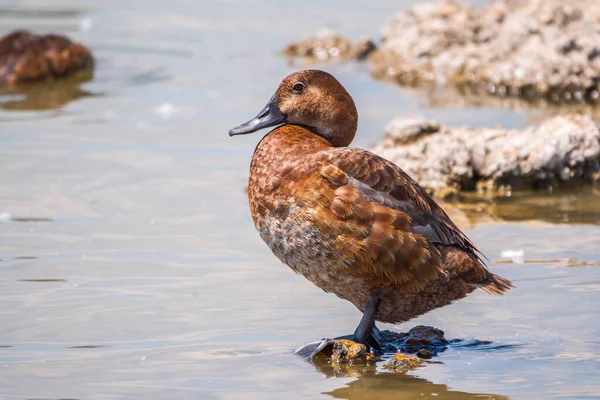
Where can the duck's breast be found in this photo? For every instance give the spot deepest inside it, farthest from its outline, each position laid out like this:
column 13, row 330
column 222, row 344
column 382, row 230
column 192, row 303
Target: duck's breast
column 283, row 202
column 287, row 193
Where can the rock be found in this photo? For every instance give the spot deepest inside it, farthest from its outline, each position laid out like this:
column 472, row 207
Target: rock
column 407, row 130
column 341, row 351
column 329, row 45
column 424, row 354
column 562, row 151
column 529, row 48
column 418, row 338
column 347, row 351
column 402, row 362
column 361, row 49
column 27, row 57
column 424, row 336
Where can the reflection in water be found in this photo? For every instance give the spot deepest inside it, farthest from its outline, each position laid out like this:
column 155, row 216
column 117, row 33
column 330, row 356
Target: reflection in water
column 580, row 206
column 46, row 95
column 152, row 230
column 30, row 219
column 371, row 384
column 469, row 97
column 37, row 12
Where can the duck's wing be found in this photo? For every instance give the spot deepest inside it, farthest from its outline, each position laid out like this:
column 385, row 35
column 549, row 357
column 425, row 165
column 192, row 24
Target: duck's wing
column 396, row 230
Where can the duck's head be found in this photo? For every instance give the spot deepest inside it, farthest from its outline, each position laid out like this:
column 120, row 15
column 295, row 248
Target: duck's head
column 312, row 99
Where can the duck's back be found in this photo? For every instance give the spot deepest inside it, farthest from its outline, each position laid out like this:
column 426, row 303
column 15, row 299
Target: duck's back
column 353, row 223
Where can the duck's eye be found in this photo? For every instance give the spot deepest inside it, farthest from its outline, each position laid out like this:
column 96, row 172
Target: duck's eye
column 298, row 87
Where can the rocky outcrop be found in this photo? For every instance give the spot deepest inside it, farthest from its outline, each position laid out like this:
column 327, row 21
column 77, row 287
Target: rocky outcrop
column 531, row 48
column 328, row 45
column 26, row 57
column 562, row 151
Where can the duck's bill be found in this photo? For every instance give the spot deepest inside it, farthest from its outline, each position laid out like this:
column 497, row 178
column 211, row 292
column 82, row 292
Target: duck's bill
column 269, row 116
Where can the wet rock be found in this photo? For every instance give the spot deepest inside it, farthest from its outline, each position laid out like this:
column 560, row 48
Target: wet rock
column 341, row 351
column 27, row 57
column 329, row 45
column 424, row 354
column 421, row 335
column 562, row 151
column 347, row 351
column 418, row 338
column 529, row 48
column 402, row 362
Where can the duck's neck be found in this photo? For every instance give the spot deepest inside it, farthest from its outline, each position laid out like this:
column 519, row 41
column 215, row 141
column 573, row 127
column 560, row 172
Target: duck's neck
column 289, row 141
column 282, row 152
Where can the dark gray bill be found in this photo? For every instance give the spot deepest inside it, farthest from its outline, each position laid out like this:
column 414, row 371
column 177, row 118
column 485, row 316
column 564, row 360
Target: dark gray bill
column 271, row 115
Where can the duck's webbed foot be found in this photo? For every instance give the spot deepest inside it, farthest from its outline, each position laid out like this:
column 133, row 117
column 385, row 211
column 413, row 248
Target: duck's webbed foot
column 366, row 333
column 310, row 350
column 375, row 344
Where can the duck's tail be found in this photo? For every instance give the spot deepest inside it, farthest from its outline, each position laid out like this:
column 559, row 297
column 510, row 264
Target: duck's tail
column 468, row 267
column 496, row 285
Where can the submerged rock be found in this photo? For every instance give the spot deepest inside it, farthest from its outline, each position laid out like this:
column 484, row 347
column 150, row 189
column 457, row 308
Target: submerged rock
column 329, row 45
column 27, row 57
column 531, row 48
column 562, row 151
column 402, row 362
column 419, row 338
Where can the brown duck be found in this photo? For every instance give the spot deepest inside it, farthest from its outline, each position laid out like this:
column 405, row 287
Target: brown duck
column 351, row 222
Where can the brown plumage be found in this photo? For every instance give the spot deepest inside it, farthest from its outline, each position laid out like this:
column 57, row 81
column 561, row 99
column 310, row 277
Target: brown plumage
column 348, row 220
column 26, row 57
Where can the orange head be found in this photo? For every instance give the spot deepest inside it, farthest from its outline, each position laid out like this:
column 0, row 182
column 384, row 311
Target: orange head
column 314, row 100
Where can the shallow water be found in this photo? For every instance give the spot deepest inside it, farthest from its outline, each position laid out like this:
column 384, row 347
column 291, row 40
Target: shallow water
column 131, row 269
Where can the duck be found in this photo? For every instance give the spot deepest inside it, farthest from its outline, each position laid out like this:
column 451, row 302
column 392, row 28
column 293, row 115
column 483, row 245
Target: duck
column 351, row 222
column 26, row 57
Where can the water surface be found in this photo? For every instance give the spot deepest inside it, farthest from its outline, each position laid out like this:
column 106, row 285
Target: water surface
column 129, row 264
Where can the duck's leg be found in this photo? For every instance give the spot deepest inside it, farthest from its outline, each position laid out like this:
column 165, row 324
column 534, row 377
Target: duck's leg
column 366, row 332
